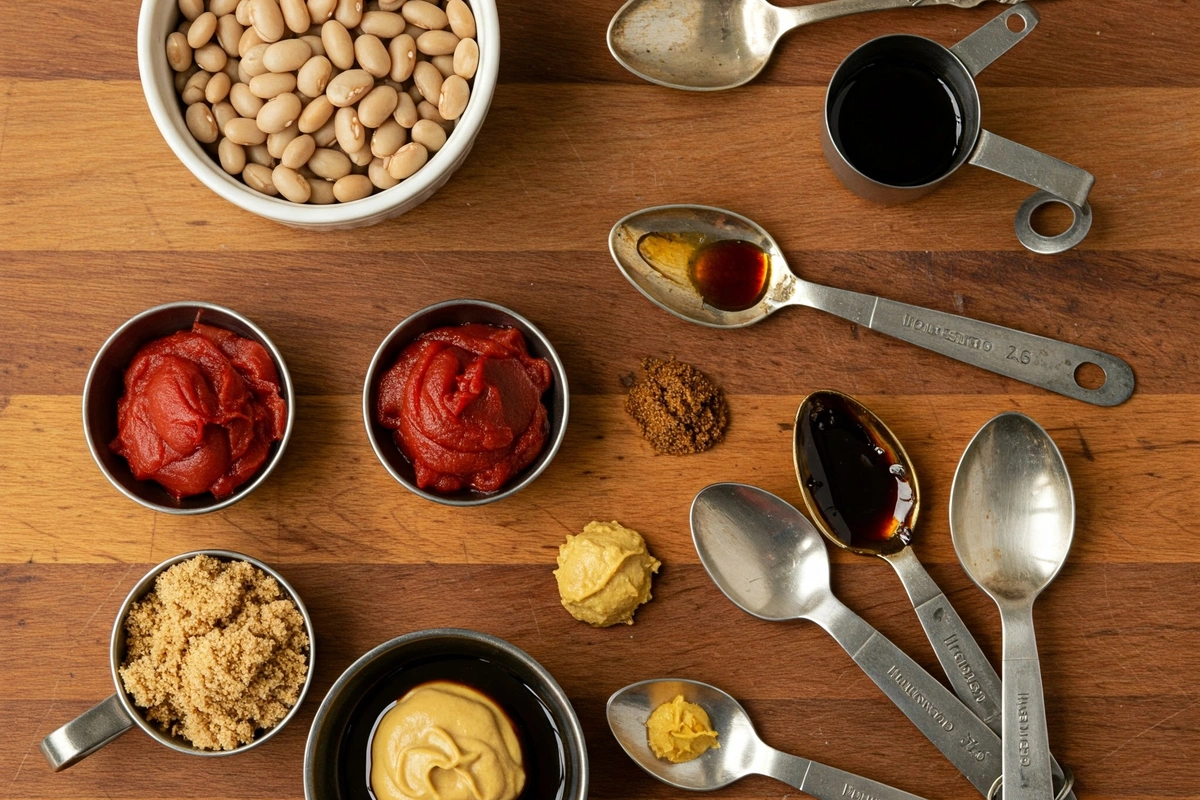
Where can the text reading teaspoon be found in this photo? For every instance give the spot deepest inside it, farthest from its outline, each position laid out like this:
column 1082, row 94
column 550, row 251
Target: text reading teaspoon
column 681, row 231
column 741, row 752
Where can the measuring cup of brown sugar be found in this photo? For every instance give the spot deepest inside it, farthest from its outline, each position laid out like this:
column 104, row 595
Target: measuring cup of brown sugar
column 902, row 115
column 104, row 722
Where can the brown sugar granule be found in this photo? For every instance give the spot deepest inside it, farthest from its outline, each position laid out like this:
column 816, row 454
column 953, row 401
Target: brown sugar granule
column 678, row 409
column 215, row 652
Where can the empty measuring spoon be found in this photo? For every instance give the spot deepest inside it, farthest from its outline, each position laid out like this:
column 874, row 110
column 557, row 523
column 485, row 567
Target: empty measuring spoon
column 862, row 492
column 706, row 45
column 740, row 752
column 1012, row 519
column 767, row 558
column 700, row 264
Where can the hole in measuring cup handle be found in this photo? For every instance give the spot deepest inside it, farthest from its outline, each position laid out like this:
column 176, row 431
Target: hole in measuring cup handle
column 1049, row 245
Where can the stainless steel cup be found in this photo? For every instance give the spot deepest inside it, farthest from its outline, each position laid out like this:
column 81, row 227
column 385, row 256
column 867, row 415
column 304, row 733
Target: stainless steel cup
column 107, row 720
column 1057, row 180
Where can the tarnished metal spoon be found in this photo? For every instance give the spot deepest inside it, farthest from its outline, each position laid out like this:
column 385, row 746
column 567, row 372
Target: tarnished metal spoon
column 862, row 492
column 741, row 752
column 706, row 45
column 1012, row 519
column 655, row 248
column 768, row 559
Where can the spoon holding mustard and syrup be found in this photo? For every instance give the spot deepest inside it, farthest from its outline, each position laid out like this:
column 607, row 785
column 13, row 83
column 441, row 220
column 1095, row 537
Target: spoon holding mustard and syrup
column 717, row 268
column 862, row 492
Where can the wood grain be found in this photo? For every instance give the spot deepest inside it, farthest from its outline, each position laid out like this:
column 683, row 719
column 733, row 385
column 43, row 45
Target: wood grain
column 99, row 221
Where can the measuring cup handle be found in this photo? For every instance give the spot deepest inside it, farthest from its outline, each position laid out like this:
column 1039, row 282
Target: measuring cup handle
column 994, row 39
column 86, row 734
column 1034, row 167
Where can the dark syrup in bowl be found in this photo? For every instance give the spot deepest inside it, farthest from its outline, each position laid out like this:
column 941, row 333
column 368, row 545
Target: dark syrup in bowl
column 898, row 122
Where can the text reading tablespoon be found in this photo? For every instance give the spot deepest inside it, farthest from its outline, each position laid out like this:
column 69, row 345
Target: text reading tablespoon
column 741, row 752
column 659, row 249
column 861, row 490
column 707, row 45
column 1012, row 519
column 771, row 562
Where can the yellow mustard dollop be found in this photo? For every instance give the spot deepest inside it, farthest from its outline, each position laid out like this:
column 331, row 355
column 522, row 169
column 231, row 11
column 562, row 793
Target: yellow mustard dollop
column 680, row 731
column 604, row 574
column 446, row 741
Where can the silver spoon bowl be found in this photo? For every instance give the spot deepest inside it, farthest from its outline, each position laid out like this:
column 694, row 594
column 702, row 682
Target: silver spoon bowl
column 708, row 45
column 741, row 751
column 768, row 559
column 1012, row 519
column 1036, row 360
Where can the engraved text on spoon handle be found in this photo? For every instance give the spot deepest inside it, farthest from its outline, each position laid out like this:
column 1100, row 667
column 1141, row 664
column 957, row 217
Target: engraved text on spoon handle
column 1036, row 360
column 971, row 675
column 828, row 783
column 961, row 736
column 1026, row 743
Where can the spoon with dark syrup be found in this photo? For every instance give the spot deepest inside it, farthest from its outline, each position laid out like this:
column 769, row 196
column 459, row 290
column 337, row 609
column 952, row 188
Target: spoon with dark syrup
column 861, row 490
column 717, row 268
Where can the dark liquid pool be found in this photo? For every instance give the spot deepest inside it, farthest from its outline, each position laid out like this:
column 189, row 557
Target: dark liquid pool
column 858, row 483
column 542, row 748
column 898, row 122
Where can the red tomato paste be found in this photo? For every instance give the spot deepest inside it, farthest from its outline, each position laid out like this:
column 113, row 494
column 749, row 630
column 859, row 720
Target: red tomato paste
column 466, row 406
column 200, row 411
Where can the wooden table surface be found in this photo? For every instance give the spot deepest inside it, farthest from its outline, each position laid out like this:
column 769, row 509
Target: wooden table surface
column 99, row 221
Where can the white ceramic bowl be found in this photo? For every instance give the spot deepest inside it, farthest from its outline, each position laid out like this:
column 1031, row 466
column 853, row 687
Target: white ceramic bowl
column 159, row 17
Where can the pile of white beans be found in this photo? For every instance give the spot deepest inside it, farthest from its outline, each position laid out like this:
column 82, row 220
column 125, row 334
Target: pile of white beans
column 324, row 100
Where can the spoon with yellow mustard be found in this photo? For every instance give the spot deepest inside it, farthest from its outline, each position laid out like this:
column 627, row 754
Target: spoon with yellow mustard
column 716, row 744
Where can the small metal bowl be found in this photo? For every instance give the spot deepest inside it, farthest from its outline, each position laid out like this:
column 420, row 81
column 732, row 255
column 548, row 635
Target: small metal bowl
column 341, row 724
column 112, row 717
column 106, row 383
column 461, row 312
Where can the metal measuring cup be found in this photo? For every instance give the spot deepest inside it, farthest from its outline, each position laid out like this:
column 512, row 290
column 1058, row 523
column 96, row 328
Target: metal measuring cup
column 1057, row 180
column 110, row 718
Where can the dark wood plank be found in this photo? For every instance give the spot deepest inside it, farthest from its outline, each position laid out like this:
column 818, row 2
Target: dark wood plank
column 1098, row 43
column 805, row 694
column 1120, row 303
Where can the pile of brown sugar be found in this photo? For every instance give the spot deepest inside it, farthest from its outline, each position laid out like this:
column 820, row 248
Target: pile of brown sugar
column 215, row 652
column 678, row 409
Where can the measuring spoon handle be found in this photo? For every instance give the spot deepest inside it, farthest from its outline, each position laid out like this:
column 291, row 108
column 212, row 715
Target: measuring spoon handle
column 961, row 736
column 970, row 673
column 1036, row 360
column 826, row 783
column 1027, row 772
column 791, row 17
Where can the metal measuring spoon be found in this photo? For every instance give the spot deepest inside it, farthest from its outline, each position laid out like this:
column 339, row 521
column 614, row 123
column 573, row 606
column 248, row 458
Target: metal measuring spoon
column 706, row 45
column 678, row 232
column 767, row 558
column 741, row 752
column 846, row 462
column 1012, row 519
